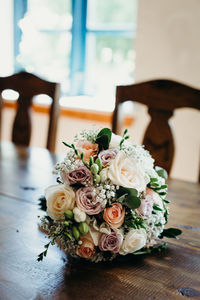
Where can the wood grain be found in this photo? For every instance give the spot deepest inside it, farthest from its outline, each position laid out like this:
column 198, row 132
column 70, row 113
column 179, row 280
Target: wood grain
column 161, row 97
column 174, row 274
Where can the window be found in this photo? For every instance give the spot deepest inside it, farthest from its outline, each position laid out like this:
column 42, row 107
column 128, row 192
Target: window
column 87, row 45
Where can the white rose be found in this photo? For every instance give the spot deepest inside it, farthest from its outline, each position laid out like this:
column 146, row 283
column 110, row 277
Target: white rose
column 124, row 171
column 59, row 198
column 79, row 215
column 134, row 240
column 115, row 141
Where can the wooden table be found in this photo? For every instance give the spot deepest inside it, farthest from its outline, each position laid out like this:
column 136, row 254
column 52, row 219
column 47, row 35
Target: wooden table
column 175, row 274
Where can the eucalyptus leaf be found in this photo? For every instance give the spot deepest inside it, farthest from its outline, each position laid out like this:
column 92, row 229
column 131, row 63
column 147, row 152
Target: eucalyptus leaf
column 170, row 233
column 124, row 190
column 161, row 172
column 103, row 138
column 105, row 131
column 132, row 202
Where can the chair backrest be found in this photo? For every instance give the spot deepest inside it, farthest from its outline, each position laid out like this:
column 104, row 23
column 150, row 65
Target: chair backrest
column 161, row 97
column 29, row 85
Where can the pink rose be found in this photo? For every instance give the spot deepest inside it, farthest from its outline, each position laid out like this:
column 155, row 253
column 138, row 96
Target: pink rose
column 88, row 149
column 107, row 155
column 86, row 201
column 146, row 207
column 80, row 175
column 87, row 248
column 114, row 215
column 110, row 242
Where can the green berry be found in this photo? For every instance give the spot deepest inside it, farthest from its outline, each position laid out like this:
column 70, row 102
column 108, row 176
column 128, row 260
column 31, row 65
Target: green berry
column 75, row 232
column 97, row 178
column 69, row 214
column 99, row 163
column 66, row 223
column 83, row 228
column 95, row 168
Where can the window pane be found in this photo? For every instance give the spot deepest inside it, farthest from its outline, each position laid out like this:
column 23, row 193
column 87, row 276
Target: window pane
column 110, row 61
column 46, row 40
column 46, row 54
column 50, row 14
column 111, row 11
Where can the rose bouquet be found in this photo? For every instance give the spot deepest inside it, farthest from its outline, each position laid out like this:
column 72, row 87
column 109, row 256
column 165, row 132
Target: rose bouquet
column 109, row 199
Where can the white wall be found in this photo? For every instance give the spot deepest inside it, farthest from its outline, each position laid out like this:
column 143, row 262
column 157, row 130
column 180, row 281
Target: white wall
column 168, row 40
column 168, row 46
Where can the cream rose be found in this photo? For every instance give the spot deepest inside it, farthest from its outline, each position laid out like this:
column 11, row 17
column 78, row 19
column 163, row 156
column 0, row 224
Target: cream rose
column 134, row 240
column 59, row 198
column 124, row 171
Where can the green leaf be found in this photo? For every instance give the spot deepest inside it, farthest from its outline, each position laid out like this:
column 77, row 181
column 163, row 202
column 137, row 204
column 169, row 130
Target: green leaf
column 105, row 131
column 125, row 132
column 156, row 207
column 161, row 172
column 123, row 190
column 132, row 201
column 153, row 180
column 67, row 145
column 170, row 233
column 166, row 201
column 103, row 138
column 122, row 198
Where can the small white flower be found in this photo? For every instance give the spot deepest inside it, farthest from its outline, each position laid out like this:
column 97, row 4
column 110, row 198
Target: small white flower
column 112, row 194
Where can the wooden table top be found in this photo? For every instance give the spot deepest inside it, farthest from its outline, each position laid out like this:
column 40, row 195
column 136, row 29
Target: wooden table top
column 173, row 274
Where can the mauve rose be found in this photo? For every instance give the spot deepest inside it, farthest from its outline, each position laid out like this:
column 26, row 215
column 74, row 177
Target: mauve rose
column 106, row 156
column 80, row 175
column 110, row 242
column 86, row 201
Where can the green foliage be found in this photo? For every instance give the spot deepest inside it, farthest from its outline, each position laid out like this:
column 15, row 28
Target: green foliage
column 170, row 233
column 154, row 249
column 103, row 138
column 161, row 172
column 134, row 221
column 156, row 207
column 124, row 137
column 128, row 197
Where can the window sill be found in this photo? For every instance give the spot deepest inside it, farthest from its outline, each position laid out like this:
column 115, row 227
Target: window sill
column 74, row 112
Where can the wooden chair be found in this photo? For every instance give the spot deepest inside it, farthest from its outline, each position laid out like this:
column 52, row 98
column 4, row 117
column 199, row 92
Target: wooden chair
column 162, row 97
column 29, row 85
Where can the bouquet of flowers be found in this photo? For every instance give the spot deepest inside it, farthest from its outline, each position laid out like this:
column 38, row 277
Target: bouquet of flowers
column 109, row 199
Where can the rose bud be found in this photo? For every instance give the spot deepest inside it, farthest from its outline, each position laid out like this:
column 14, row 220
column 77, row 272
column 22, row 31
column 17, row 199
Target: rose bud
column 99, row 163
column 94, row 168
column 69, row 214
column 66, row 223
column 97, row 178
column 83, row 228
column 79, row 215
column 75, row 232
